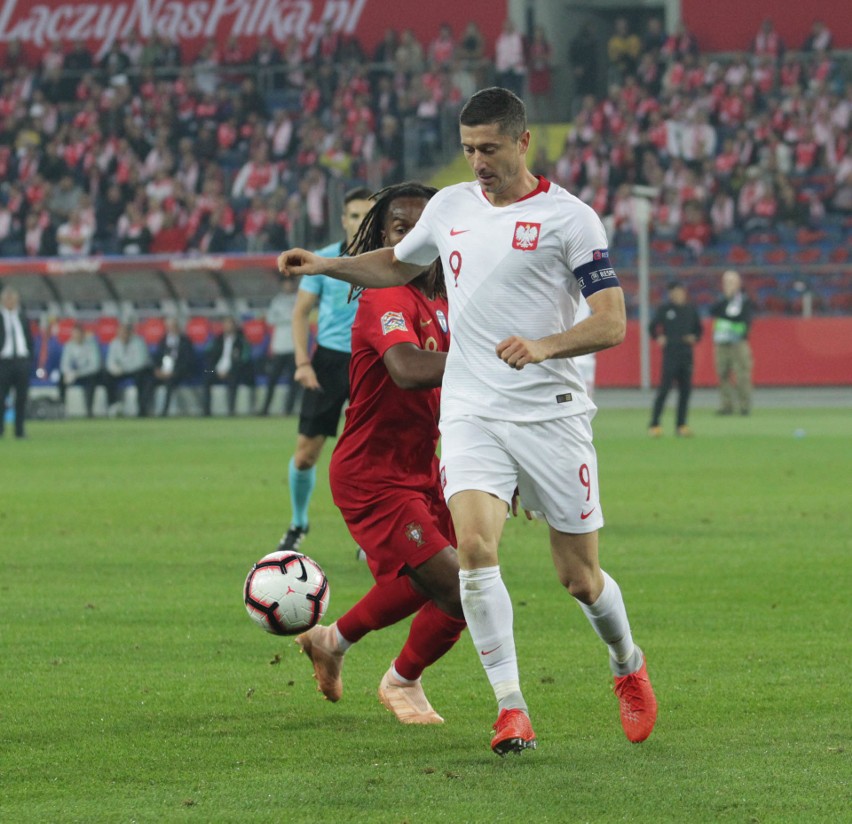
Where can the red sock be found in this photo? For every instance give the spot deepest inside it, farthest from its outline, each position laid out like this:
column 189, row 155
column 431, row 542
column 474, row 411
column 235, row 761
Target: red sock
column 383, row 605
column 432, row 634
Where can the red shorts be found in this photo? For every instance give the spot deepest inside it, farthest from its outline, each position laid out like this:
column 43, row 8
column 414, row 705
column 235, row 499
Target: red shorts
column 405, row 529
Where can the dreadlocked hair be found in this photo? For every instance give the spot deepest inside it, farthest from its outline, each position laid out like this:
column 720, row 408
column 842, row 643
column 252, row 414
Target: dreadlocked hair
column 368, row 238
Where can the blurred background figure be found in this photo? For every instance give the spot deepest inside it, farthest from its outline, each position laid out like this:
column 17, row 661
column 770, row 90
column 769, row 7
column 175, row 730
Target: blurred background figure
column 128, row 359
column 583, row 59
column 174, row 361
column 623, row 48
column 540, row 56
column 16, row 352
column 229, row 362
column 80, row 365
column 282, row 356
column 676, row 326
column 510, row 59
column 732, row 316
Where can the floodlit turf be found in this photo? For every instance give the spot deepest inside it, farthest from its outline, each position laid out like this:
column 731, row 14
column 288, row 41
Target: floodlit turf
column 135, row 688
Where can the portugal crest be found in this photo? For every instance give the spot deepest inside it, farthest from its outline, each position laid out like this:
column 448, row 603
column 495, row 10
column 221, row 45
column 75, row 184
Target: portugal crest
column 414, row 532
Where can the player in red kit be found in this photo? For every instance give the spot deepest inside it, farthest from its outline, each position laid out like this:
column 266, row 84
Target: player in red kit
column 385, row 476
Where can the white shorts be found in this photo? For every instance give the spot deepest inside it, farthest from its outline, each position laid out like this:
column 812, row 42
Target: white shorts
column 552, row 463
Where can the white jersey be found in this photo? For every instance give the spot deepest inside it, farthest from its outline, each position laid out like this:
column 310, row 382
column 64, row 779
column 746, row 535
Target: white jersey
column 511, row 270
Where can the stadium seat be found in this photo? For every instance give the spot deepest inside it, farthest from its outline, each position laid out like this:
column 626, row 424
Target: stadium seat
column 152, row 330
column 764, row 237
column 805, row 237
column 739, row 255
column 709, row 257
column 198, row 330
column 812, row 254
column 62, row 330
column 255, row 330
column 105, row 328
column 257, row 334
column 775, row 255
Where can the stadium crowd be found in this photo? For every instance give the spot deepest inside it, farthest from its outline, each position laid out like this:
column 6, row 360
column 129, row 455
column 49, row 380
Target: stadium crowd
column 144, row 151
column 738, row 147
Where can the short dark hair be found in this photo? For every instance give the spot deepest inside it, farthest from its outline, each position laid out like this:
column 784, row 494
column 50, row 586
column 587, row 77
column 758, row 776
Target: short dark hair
column 496, row 105
column 358, row 193
column 674, row 284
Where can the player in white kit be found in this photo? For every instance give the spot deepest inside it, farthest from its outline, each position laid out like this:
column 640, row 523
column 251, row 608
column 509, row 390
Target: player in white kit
column 518, row 252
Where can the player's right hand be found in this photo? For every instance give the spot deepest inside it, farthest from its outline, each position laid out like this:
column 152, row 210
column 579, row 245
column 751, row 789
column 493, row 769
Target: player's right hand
column 516, row 497
column 296, row 262
column 307, row 377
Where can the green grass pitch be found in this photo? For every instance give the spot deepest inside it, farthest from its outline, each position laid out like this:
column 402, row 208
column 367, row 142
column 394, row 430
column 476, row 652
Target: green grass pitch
column 136, row 689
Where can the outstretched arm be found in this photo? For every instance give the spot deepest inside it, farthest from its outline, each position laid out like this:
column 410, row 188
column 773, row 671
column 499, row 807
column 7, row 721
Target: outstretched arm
column 372, row 270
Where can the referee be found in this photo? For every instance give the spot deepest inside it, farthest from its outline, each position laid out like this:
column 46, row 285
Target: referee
column 676, row 327
column 325, row 375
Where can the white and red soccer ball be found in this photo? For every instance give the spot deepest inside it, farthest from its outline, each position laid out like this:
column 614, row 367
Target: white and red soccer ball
column 286, row 593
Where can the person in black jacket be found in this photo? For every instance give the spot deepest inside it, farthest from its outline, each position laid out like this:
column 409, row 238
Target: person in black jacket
column 16, row 355
column 676, row 327
column 229, row 362
column 174, row 361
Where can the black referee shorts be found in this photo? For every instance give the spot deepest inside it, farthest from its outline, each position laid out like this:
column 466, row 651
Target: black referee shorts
column 321, row 408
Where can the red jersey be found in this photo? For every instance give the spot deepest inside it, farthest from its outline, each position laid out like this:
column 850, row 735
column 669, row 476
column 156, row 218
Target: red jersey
column 390, row 435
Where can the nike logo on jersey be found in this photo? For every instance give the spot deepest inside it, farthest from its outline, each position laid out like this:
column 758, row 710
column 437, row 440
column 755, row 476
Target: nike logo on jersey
column 489, row 651
column 425, row 322
column 454, row 232
column 584, row 515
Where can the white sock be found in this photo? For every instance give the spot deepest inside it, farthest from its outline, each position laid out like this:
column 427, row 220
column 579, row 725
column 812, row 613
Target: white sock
column 342, row 643
column 399, row 678
column 488, row 612
column 608, row 618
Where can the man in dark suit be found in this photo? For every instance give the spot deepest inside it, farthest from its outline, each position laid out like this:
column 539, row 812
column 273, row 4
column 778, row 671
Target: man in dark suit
column 16, row 354
column 676, row 326
column 229, row 362
column 174, row 361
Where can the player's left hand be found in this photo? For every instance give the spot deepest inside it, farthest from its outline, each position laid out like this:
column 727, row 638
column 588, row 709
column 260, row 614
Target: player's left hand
column 516, row 497
column 518, row 352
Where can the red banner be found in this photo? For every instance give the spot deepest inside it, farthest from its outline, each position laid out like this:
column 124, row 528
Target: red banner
column 191, row 23
column 787, row 352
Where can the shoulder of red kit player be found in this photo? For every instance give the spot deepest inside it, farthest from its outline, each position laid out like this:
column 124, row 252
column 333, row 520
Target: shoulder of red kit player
column 388, row 316
column 393, row 297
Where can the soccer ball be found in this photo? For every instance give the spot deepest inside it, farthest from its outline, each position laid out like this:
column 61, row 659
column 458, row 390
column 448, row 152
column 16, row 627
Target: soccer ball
column 286, row 593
